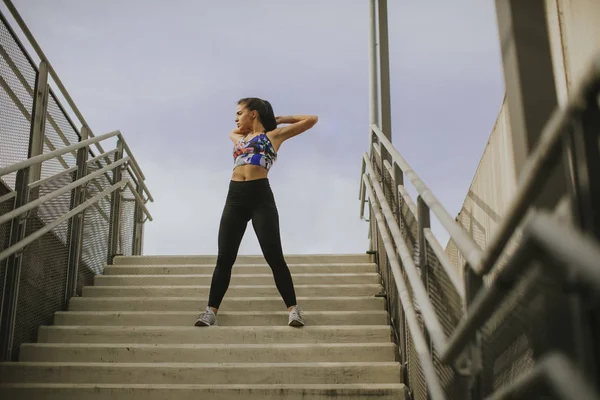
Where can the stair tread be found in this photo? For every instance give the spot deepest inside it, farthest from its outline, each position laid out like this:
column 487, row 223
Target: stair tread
column 336, row 364
column 257, row 313
column 210, row 345
column 217, row 386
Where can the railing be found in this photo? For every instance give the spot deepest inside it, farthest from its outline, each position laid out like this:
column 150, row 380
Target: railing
column 67, row 206
column 522, row 322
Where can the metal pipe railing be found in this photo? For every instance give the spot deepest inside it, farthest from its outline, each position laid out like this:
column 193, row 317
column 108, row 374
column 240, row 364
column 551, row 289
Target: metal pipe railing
column 555, row 372
column 51, row 178
column 105, row 156
column 47, row 228
column 33, row 204
column 52, row 154
column 576, row 258
column 139, row 200
column 547, row 150
column 429, row 317
column 463, row 241
column 8, row 196
column 418, row 337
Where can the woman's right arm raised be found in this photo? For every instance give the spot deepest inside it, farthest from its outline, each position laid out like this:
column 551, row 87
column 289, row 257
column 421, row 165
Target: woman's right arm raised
column 235, row 135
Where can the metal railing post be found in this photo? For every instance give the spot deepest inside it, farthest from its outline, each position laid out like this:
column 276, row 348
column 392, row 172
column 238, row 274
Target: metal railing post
column 384, row 75
column 40, row 108
column 10, row 294
column 138, row 228
column 25, row 176
column 76, row 223
column 470, row 363
column 423, row 222
column 115, row 209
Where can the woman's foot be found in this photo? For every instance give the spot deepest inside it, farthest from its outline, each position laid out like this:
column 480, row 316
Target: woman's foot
column 206, row 318
column 296, row 317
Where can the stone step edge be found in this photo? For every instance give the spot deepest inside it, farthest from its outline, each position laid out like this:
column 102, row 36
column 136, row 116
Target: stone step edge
column 219, row 346
column 286, row 328
column 204, row 298
column 233, row 313
column 243, row 265
column 235, row 387
column 212, row 365
column 310, row 274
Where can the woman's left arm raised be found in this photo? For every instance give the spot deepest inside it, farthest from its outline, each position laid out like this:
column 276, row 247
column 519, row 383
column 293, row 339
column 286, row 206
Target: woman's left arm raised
column 299, row 124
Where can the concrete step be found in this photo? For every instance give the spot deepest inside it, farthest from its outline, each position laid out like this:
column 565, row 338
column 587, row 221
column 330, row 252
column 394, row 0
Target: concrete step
column 238, row 269
column 356, row 303
column 248, row 279
column 215, row 334
column 241, row 318
column 242, row 259
column 211, row 353
column 233, row 291
column 194, row 373
column 47, row 391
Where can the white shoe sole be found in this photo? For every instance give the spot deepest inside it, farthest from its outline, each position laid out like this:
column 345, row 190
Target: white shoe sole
column 296, row 323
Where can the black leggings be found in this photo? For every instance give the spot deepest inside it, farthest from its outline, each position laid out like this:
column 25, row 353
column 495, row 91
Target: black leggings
column 250, row 200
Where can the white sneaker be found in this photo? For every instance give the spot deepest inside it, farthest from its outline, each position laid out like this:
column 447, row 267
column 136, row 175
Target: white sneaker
column 207, row 318
column 296, row 317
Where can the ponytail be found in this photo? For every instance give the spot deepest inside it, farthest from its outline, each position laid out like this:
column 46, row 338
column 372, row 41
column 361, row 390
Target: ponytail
column 264, row 110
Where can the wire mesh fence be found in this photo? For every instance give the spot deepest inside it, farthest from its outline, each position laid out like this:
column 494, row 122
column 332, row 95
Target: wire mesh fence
column 17, row 79
column 47, row 261
column 543, row 312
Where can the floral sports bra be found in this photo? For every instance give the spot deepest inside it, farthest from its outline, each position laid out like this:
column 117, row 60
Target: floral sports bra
column 257, row 151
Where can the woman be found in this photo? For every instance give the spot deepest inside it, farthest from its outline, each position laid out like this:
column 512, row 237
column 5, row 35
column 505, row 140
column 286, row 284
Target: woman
column 256, row 142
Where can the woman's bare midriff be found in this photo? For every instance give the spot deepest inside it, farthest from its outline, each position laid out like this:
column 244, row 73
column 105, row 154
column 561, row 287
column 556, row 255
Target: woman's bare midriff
column 249, row 173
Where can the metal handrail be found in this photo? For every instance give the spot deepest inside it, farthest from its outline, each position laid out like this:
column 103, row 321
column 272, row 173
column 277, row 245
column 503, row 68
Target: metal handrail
column 554, row 371
column 35, row 184
column 139, row 200
column 76, row 146
column 47, row 228
column 575, row 257
column 52, row 154
column 429, row 317
column 67, row 188
column 418, row 337
column 463, row 241
column 547, row 150
column 8, row 196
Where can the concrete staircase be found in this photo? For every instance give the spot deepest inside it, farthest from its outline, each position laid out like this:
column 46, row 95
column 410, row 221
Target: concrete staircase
column 131, row 336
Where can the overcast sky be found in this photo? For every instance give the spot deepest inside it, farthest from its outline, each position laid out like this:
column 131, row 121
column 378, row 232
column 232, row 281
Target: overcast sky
column 168, row 74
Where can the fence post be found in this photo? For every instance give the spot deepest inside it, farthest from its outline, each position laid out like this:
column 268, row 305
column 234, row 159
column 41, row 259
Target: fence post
column 10, row 294
column 76, row 223
column 115, row 209
column 423, row 222
column 38, row 127
column 473, row 359
column 138, row 227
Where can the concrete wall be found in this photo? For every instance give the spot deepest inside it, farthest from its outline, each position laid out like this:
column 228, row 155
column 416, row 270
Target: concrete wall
column 574, row 30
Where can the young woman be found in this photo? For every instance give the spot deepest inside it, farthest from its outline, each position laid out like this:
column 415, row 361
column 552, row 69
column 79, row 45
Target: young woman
column 256, row 142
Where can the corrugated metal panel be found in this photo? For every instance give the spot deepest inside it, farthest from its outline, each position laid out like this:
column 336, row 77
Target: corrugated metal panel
column 492, row 189
column 575, row 38
column 580, row 35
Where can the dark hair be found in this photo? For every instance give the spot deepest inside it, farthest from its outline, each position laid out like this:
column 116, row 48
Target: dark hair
column 264, row 110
